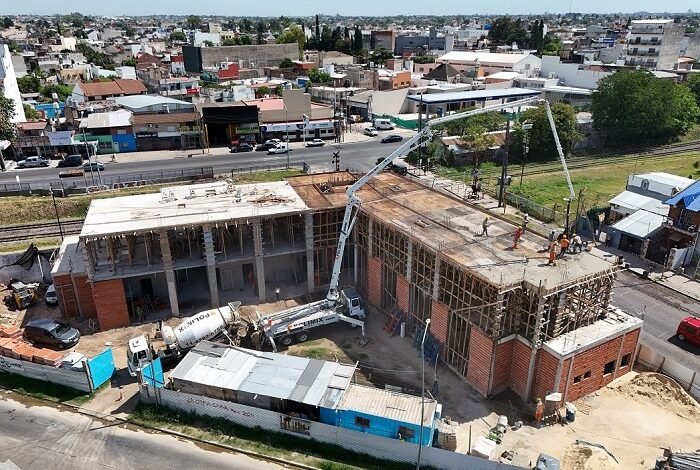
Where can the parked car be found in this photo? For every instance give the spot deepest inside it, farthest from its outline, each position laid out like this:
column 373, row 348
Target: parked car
column 93, row 166
column 50, row 296
column 71, row 160
column 392, row 138
column 282, row 147
column 689, row 330
column 32, row 162
column 241, row 148
column 395, row 167
column 315, row 143
column 51, row 332
column 371, row 131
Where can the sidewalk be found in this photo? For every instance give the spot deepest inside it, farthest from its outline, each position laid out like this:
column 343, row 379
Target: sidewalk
column 669, row 279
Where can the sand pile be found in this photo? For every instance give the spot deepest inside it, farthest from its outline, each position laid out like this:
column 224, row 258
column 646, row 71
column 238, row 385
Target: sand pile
column 664, row 392
column 580, row 457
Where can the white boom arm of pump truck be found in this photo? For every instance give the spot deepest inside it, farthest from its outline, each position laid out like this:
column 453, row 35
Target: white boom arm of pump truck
column 354, row 202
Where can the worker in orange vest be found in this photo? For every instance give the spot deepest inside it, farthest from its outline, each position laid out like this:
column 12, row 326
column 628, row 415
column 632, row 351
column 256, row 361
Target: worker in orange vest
column 516, row 237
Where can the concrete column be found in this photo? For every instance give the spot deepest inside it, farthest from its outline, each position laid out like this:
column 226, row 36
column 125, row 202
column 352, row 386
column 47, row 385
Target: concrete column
column 210, row 256
column 309, row 239
column 169, row 273
column 259, row 259
column 536, row 345
column 409, row 260
column 436, row 278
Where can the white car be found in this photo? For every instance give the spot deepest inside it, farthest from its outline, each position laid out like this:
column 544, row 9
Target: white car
column 32, row 162
column 315, row 143
column 281, row 148
column 371, row 131
column 50, row 296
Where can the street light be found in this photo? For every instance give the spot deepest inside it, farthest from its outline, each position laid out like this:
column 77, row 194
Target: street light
column 422, row 391
column 526, row 144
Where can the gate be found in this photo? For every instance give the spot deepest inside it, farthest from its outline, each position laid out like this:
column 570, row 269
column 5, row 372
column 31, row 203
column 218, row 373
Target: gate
column 101, row 368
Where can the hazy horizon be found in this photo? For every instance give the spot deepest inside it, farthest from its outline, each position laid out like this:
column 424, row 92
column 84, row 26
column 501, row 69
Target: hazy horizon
column 276, row 8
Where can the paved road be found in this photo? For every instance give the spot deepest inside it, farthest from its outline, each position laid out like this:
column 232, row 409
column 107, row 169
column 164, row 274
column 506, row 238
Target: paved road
column 43, row 438
column 358, row 156
column 662, row 309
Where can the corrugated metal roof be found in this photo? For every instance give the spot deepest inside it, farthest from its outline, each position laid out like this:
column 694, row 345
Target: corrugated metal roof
column 640, row 224
column 121, row 118
column 690, row 197
column 634, row 201
column 387, row 404
column 309, row 381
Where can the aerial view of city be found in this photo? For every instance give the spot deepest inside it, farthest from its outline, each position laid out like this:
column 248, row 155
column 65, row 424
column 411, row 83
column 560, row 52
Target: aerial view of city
column 350, row 236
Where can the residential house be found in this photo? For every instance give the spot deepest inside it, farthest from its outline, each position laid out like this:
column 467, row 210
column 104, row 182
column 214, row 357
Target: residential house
column 572, row 74
column 112, row 131
column 485, row 63
column 97, row 91
column 392, row 80
column 198, row 59
column 681, row 231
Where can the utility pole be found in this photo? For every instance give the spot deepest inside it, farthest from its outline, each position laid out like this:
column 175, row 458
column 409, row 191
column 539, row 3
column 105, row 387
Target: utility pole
column 422, row 391
column 55, row 208
column 504, row 169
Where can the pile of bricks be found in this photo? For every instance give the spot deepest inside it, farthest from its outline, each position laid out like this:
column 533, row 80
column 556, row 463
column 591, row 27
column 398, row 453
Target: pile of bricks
column 12, row 345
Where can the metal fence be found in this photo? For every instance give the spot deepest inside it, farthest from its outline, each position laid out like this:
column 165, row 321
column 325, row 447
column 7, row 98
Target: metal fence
column 538, row 211
column 90, row 183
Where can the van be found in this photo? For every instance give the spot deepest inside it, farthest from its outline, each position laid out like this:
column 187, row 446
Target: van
column 383, row 124
column 689, row 330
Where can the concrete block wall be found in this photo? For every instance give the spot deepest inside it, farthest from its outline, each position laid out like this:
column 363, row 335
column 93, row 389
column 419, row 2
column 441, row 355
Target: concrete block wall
column 110, row 304
column 593, row 361
column 85, row 296
column 519, row 367
column 480, row 354
column 502, row 367
column 439, row 318
column 374, row 280
column 402, row 293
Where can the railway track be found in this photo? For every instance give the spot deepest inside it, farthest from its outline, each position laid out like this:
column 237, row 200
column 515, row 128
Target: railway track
column 588, row 162
column 16, row 233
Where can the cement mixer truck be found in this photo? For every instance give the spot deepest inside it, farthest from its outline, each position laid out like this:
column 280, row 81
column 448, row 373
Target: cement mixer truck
column 202, row 326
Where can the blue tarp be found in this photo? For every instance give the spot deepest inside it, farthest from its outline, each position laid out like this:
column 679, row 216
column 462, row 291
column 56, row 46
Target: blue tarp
column 101, row 368
column 690, row 197
column 153, row 374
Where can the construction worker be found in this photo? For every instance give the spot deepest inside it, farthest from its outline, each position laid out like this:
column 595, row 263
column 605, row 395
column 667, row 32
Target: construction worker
column 552, row 236
column 539, row 412
column 526, row 220
column 576, row 243
column 277, row 293
column 552, row 254
column 564, row 245
column 516, row 237
column 485, row 227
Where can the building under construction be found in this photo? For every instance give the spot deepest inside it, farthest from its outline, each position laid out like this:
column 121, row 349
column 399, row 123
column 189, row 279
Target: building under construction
column 501, row 316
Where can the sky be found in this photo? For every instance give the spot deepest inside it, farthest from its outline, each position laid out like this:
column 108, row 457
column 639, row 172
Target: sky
column 341, row 7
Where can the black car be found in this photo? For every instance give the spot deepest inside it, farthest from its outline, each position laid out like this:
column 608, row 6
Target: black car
column 392, row 138
column 265, row 147
column 241, row 148
column 71, row 160
column 51, row 332
column 400, row 169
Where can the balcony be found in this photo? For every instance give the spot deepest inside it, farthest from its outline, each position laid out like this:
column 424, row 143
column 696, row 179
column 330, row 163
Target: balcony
column 678, row 226
column 642, row 53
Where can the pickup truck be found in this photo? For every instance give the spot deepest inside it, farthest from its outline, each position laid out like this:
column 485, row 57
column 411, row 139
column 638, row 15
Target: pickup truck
column 32, row 162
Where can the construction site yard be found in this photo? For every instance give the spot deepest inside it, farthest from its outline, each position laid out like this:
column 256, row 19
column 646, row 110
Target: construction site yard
column 633, row 418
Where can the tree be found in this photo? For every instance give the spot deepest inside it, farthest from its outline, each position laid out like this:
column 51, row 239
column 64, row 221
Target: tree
column 279, row 89
column 694, row 86
column 208, row 43
column 63, row 91
column 540, row 138
column 357, row 39
column 262, row 91
column 31, row 113
column 478, row 139
column 94, row 57
column 229, row 42
column 286, row 63
column 293, row 34
column 537, row 36
column 7, row 22
column 178, row 36
column 261, row 29
column 380, row 56
column 246, row 25
column 244, row 40
column 193, row 22
column 29, row 83
column 552, row 45
column 326, row 41
column 8, row 131
column 635, row 106
column 506, row 31
column 318, row 76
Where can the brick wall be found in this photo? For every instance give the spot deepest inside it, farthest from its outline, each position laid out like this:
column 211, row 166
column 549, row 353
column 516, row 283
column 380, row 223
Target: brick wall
column 439, row 318
column 110, row 304
column 374, row 281
column 546, row 366
column 519, row 368
column 66, row 296
column 85, row 296
column 402, row 292
column 480, row 352
column 593, row 361
column 502, row 366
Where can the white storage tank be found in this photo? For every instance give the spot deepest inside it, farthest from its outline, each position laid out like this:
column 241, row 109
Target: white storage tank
column 201, row 326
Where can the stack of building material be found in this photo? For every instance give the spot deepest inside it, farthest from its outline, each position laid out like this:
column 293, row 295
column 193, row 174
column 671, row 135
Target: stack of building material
column 12, row 345
column 7, row 345
column 9, row 331
column 49, row 357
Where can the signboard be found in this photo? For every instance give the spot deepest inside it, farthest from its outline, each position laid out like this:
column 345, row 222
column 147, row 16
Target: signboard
column 247, row 128
column 60, row 138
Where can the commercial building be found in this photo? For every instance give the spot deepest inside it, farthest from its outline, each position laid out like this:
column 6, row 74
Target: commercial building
column 654, row 44
column 502, row 318
column 258, row 56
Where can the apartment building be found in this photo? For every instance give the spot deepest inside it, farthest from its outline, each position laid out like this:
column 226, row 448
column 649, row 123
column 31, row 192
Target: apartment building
column 654, row 44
